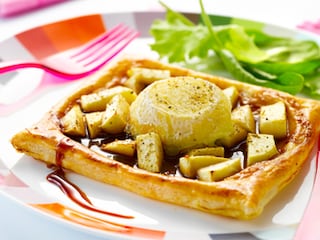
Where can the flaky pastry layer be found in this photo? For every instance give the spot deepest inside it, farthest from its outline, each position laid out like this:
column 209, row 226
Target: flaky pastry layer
column 243, row 195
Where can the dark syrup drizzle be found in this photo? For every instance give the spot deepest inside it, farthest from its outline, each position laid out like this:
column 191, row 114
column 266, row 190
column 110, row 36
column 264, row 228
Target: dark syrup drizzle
column 170, row 165
column 58, row 178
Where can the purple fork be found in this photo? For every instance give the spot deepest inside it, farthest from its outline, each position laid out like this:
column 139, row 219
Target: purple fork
column 72, row 64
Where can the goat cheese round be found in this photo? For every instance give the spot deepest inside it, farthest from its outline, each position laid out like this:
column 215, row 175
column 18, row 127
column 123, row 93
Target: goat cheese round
column 186, row 112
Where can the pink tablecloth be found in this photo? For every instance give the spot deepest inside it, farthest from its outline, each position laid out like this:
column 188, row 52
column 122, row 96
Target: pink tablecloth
column 310, row 26
column 13, row 7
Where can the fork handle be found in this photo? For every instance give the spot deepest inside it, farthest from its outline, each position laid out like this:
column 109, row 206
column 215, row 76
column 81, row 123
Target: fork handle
column 309, row 228
column 9, row 66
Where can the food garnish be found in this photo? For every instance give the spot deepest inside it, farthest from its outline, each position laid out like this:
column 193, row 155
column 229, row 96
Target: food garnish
column 248, row 55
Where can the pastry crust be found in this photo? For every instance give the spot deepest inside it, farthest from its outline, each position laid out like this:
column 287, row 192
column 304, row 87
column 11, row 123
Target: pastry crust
column 243, row 195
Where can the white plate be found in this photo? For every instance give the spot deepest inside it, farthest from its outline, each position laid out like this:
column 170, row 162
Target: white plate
column 24, row 179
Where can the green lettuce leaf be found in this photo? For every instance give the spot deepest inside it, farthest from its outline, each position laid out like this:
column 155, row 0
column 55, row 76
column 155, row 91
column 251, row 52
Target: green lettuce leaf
column 248, row 55
column 179, row 42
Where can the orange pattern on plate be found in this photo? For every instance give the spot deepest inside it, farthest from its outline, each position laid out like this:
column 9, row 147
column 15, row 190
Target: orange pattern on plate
column 74, row 216
column 56, row 37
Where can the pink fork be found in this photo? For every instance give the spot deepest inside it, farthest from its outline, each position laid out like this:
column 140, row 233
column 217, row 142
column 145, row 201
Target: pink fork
column 79, row 62
column 72, row 64
column 309, row 228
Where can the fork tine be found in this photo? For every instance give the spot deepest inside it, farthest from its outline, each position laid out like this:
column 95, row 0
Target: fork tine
column 109, row 48
column 111, row 52
column 95, row 49
column 106, row 35
column 107, row 43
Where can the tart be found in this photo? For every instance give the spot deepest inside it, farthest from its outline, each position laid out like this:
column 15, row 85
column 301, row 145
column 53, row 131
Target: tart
column 178, row 136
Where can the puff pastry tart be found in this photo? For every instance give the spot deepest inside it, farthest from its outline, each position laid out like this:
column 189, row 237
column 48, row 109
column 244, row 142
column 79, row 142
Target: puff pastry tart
column 178, row 136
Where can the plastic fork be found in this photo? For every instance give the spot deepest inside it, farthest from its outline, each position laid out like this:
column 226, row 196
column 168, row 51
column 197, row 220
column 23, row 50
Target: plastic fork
column 72, row 64
column 309, row 228
column 79, row 62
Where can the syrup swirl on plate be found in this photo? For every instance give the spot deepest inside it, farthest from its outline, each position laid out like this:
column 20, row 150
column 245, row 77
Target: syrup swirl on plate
column 72, row 191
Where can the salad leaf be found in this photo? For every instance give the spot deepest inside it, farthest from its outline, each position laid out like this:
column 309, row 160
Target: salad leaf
column 289, row 82
column 285, row 49
column 248, row 55
column 184, row 41
column 303, row 67
column 181, row 37
column 312, row 86
column 235, row 39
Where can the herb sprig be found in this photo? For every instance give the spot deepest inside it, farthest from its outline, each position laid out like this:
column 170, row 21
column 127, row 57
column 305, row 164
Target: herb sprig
column 250, row 56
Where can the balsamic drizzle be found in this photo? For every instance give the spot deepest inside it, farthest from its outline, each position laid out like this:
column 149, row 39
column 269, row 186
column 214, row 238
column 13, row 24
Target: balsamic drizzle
column 72, row 191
